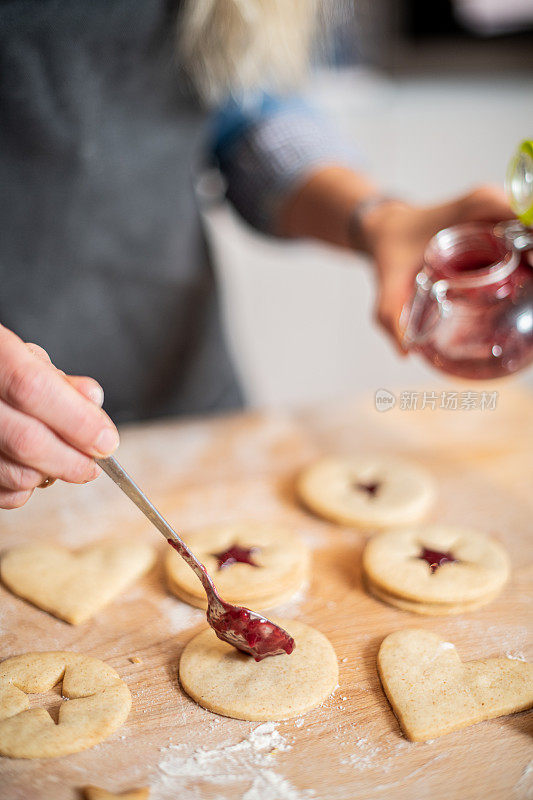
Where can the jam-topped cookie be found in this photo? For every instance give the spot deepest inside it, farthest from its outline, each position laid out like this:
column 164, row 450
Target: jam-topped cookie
column 252, row 564
column 367, row 491
column 435, row 569
column 222, row 680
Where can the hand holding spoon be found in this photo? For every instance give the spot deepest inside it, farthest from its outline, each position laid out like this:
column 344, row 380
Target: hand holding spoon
column 240, row 627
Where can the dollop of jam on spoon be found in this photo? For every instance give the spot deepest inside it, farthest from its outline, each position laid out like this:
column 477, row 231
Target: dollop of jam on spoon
column 240, row 627
column 236, row 555
column 370, row 488
column 244, row 629
column 435, row 559
column 250, row 632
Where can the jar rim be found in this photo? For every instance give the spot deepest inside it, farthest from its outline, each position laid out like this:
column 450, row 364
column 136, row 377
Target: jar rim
column 494, row 272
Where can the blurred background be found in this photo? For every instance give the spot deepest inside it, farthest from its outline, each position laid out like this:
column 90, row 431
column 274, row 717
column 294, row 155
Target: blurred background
column 436, row 96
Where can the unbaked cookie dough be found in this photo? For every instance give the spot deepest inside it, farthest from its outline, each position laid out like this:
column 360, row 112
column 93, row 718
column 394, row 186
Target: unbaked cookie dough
column 96, row 793
column 98, row 703
column 251, row 563
column 432, row 692
column 435, row 569
column 228, row 682
column 74, row 586
column 427, row 609
column 367, row 491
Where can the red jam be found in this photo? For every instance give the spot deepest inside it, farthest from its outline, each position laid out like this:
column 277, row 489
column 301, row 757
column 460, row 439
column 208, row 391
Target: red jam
column 370, row 488
column 435, row 559
column 236, row 555
column 261, row 637
column 243, row 629
column 482, row 326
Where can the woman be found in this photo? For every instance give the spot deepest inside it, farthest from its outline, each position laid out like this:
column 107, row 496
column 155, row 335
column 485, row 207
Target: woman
column 101, row 255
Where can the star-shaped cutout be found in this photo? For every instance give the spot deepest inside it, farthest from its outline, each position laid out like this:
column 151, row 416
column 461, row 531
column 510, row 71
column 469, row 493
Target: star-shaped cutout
column 435, row 559
column 51, row 701
column 370, row 488
column 96, row 793
column 236, row 555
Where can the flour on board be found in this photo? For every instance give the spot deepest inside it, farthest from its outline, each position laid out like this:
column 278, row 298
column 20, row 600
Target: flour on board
column 249, row 762
column 523, row 790
column 178, row 615
column 268, row 785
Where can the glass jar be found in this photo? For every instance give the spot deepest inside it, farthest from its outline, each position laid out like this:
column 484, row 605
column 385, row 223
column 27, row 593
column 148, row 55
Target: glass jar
column 472, row 311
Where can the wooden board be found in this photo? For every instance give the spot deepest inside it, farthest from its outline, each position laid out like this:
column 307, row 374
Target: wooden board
column 351, row 747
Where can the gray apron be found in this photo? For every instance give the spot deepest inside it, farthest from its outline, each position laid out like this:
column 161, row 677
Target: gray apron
column 101, row 255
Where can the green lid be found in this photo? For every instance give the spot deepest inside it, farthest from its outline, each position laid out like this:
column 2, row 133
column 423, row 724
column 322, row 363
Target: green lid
column 520, row 182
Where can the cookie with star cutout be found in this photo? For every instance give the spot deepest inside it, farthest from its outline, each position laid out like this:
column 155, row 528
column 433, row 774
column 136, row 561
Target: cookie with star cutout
column 253, row 564
column 368, row 492
column 435, row 569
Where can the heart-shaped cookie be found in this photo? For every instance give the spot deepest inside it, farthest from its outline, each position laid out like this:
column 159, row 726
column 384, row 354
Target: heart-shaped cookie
column 432, row 692
column 74, row 586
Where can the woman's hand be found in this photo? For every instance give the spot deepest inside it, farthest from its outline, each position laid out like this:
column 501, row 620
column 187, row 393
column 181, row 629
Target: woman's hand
column 51, row 424
column 397, row 235
column 394, row 234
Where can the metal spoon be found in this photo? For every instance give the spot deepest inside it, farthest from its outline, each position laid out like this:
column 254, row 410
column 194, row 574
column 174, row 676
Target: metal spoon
column 240, row 627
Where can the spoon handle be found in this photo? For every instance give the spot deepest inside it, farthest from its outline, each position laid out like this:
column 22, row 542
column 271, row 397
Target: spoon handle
column 118, row 474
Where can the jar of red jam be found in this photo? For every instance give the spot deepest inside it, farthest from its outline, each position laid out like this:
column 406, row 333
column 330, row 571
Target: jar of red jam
column 472, row 311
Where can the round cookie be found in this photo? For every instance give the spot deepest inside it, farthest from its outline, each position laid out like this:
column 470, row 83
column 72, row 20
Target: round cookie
column 260, row 604
column 279, row 569
column 228, row 682
column 99, row 702
column 366, row 491
column 393, row 563
column 427, row 609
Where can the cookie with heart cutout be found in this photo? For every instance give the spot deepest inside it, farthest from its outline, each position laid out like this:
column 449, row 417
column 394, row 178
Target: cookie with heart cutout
column 432, row 692
column 367, row 492
column 98, row 703
column 74, row 586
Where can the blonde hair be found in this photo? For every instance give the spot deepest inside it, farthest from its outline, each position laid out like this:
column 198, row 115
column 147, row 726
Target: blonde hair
column 235, row 46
